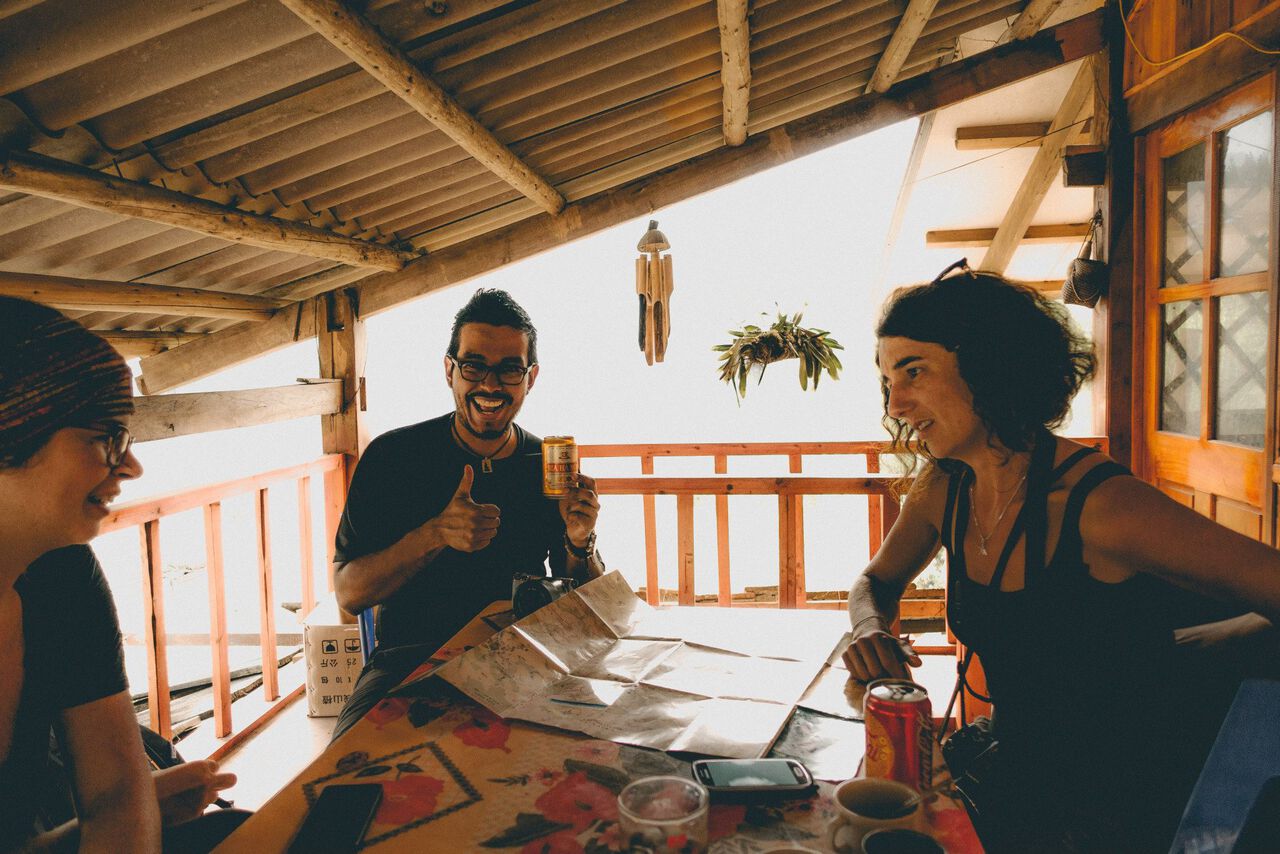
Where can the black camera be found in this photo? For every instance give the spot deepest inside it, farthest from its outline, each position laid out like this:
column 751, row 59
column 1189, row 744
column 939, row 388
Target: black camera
column 531, row 592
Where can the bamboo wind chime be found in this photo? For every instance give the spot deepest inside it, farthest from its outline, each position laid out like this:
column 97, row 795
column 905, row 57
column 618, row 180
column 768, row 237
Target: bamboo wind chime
column 654, row 285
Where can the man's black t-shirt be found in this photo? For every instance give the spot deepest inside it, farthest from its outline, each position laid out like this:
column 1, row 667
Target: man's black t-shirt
column 73, row 656
column 408, row 476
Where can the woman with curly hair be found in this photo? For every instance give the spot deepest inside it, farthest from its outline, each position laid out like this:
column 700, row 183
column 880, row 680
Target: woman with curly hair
column 1062, row 570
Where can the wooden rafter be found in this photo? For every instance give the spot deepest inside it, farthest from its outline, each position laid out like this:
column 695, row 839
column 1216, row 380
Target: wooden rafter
column 963, row 238
column 132, row 343
column 933, row 90
column 983, row 137
column 37, row 175
column 735, row 67
column 1029, row 22
column 923, row 131
column 96, row 295
column 167, row 415
column 910, row 26
column 360, row 40
column 1044, row 168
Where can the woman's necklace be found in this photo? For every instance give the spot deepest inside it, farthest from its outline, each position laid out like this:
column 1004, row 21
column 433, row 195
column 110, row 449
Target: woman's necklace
column 977, row 523
column 486, row 463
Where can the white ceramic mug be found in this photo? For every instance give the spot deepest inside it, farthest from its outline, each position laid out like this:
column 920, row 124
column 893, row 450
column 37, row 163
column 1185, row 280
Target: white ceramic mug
column 864, row 804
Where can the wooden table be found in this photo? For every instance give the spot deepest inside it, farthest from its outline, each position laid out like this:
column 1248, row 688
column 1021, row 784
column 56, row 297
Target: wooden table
column 458, row 778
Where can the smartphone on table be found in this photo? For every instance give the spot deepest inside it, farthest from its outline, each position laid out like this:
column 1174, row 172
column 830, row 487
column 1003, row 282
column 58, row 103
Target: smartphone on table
column 336, row 822
column 753, row 776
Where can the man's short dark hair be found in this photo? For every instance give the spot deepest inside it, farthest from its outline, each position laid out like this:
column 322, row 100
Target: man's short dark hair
column 497, row 308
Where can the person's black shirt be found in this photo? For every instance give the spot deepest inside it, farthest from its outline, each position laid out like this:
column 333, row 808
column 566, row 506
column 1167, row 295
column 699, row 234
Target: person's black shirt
column 73, row 656
column 408, row 476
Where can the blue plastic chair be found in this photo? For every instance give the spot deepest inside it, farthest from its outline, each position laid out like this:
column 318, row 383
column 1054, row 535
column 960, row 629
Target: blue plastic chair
column 366, row 620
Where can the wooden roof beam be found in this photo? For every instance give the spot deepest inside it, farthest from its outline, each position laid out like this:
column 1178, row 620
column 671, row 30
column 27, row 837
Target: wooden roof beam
column 393, row 68
column 984, row 137
column 964, row 238
column 137, row 343
column 136, row 298
column 1044, row 168
column 165, row 416
column 916, row 96
column 909, row 28
column 1029, row 22
column 735, row 68
column 37, row 175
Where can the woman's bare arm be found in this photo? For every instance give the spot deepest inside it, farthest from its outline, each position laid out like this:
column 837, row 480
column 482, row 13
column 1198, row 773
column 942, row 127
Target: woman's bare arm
column 873, row 600
column 1129, row 523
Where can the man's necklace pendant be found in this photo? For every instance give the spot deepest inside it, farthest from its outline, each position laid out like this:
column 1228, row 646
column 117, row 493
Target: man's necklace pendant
column 486, row 465
column 982, row 547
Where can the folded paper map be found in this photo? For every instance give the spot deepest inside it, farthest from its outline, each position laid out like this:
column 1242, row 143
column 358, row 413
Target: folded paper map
column 721, row 682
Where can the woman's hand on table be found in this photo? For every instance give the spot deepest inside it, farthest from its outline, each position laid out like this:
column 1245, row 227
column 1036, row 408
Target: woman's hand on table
column 880, row 655
column 185, row 791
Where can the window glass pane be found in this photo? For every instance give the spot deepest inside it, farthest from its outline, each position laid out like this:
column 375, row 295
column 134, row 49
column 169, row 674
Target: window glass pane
column 1242, row 368
column 1182, row 326
column 1245, row 214
column 1184, row 217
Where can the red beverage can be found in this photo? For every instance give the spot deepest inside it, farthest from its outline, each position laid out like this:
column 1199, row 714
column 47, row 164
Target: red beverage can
column 899, row 724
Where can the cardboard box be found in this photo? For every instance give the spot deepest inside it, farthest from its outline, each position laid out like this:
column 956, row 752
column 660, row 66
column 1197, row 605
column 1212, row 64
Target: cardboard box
column 331, row 649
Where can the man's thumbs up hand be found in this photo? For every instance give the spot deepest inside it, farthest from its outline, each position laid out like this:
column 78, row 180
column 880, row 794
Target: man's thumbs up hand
column 464, row 485
column 464, row 525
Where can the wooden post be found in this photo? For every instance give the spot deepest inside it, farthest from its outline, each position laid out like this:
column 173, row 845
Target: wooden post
column 875, row 510
column 154, row 631
column 684, row 551
column 725, row 597
column 797, row 536
column 786, row 551
column 342, row 352
column 1116, row 385
column 305, row 548
column 266, row 600
column 650, row 537
column 217, row 620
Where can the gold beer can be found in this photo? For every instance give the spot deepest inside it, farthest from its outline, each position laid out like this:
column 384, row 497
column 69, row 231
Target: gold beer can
column 559, row 466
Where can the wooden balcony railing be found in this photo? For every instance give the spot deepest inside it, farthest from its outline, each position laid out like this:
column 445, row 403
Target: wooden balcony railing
column 146, row 515
column 790, row 490
column 882, row 509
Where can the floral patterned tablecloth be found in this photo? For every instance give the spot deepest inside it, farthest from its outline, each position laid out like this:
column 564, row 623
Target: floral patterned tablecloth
column 456, row 777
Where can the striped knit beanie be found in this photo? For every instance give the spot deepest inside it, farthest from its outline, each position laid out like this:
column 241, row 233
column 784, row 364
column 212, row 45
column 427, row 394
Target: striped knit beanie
column 54, row 373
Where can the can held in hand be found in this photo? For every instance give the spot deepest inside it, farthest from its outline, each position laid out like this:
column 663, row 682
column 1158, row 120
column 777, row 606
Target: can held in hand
column 559, row 466
column 899, row 725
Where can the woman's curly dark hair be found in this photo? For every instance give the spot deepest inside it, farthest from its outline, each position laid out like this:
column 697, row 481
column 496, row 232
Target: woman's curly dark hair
column 1018, row 352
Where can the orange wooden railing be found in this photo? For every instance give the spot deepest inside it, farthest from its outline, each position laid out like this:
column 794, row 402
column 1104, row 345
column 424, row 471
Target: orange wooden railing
column 146, row 515
column 883, row 510
column 790, row 490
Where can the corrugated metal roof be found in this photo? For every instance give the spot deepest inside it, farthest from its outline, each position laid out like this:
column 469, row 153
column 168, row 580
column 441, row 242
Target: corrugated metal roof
column 242, row 103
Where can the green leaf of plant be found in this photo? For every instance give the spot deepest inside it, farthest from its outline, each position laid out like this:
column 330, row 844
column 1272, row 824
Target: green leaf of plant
column 804, row 374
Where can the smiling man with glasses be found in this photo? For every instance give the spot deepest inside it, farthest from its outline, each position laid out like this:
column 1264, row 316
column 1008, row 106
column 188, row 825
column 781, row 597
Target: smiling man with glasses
column 442, row 515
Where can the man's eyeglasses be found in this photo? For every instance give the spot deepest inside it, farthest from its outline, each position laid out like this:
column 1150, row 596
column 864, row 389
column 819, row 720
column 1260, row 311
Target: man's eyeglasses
column 118, row 441
column 475, row 372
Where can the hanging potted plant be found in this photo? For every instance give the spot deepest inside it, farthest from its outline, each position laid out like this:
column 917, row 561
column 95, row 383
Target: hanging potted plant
column 755, row 348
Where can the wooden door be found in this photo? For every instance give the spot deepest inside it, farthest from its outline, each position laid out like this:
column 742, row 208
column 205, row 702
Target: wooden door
column 1209, row 256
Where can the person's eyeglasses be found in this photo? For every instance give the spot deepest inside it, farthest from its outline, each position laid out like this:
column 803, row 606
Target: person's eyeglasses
column 962, row 265
column 118, row 441
column 475, row 372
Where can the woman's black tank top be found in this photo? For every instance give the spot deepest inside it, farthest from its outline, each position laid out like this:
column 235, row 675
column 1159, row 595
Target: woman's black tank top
column 1080, row 671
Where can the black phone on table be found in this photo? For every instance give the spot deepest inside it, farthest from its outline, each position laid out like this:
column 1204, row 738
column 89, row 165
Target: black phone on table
column 336, row 822
column 747, row 776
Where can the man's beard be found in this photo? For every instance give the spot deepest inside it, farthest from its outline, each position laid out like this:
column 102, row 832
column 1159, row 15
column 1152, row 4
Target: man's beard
column 483, row 435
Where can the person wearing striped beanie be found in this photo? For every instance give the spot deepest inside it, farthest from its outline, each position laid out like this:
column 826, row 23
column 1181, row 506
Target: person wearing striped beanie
column 65, row 450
